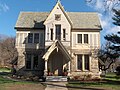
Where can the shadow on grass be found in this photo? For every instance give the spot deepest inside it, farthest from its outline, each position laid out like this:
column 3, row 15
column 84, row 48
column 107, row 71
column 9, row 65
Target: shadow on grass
column 5, row 80
column 96, row 84
column 71, row 87
column 5, row 73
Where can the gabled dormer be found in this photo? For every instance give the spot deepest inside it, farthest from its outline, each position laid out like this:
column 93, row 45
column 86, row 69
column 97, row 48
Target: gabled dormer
column 57, row 25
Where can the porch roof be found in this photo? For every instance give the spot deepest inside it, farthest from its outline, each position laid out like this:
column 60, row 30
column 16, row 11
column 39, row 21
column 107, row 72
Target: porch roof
column 59, row 46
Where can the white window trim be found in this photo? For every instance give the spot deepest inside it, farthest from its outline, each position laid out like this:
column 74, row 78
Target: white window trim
column 82, row 38
column 83, row 63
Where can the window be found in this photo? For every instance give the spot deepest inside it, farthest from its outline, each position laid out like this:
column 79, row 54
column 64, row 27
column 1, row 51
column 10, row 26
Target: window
column 86, row 61
column 35, row 61
column 28, row 61
column 79, row 38
column 64, row 34
column 32, row 61
column 85, row 38
column 83, row 59
column 30, row 37
column 51, row 37
column 58, row 32
column 41, row 39
column 58, row 17
column 36, row 38
column 79, row 62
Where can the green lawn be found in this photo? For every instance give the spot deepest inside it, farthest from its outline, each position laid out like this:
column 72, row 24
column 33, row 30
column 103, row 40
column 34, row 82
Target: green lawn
column 3, row 69
column 110, row 82
column 8, row 84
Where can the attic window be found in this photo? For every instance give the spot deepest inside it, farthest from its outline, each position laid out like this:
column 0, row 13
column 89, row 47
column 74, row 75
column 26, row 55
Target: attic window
column 58, row 17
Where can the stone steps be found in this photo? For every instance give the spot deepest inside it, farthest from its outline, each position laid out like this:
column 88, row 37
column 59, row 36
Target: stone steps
column 56, row 78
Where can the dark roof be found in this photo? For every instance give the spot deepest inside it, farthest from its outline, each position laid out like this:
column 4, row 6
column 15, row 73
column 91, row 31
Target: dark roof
column 80, row 20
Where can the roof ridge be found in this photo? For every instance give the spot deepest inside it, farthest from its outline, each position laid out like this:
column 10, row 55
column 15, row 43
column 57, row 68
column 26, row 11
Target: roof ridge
column 82, row 12
column 32, row 12
column 49, row 12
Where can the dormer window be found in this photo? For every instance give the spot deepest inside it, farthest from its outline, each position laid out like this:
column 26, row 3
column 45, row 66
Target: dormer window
column 58, row 17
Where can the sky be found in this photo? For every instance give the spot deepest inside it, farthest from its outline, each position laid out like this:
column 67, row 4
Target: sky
column 10, row 9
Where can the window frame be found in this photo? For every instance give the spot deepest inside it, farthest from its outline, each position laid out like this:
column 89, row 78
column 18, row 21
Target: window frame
column 86, row 62
column 64, row 34
column 26, row 63
column 31, row 62
column 30, row 38
column 36, row 38
column 51, row 34
column 79, row 40
column 80, row 62
column 58, row 28
column 83, row 62
column 35, row 67
column 86, row 41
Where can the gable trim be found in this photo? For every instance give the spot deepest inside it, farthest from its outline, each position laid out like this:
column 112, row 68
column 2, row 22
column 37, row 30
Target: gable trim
column 61, row 7
column 56, row 45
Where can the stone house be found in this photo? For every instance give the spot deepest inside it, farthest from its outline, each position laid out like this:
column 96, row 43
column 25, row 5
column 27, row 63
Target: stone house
column 57, row 40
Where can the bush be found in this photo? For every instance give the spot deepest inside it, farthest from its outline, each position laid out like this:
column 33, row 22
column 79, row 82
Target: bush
column 118, row 70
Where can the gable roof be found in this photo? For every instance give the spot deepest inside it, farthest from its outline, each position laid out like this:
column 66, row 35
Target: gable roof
column 62, row 9
column 80, row 20
column 56, row 45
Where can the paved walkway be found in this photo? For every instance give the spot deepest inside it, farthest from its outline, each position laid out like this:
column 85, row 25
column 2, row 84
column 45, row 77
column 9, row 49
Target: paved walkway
column 56, row 86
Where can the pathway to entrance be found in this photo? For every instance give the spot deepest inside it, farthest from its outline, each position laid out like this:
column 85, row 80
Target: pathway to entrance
column 56, row 86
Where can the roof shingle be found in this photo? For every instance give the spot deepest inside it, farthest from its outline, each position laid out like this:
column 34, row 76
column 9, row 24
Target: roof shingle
column 80, row 20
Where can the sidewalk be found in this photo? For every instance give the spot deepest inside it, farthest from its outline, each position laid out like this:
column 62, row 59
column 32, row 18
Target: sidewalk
column 56, row 86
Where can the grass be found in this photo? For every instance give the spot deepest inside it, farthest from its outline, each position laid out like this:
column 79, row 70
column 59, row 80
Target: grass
column 4, row 69
column 8, row 84
column 110, row 82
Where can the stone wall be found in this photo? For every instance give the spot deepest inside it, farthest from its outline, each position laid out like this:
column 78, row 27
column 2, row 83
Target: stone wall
column 21, row 68
column 93, row 72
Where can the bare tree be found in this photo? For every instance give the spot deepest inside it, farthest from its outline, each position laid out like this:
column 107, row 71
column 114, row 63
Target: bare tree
column 8, row 51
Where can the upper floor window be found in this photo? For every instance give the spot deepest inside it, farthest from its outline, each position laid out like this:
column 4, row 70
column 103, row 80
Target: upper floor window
column 82, row 38
column 64, row 34
column 51, row 37
column 58, row 17
column 36, row 38
column 85, row 38
column 30, row 37
column 79, row 36
column 58, row 32
column 41, row 39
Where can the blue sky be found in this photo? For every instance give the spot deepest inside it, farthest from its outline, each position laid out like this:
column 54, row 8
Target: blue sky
column 10, row 9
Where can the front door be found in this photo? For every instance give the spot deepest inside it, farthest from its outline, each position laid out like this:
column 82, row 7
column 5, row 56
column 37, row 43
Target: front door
column 57, row 65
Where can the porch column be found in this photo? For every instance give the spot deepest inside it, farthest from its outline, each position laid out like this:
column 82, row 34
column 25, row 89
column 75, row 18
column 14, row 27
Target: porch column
column 69, row 68
column 45, row 71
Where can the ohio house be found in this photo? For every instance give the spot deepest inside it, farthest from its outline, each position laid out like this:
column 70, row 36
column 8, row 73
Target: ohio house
column 57, row 40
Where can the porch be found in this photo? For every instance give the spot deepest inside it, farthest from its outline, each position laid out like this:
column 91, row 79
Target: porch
column 57, row 60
